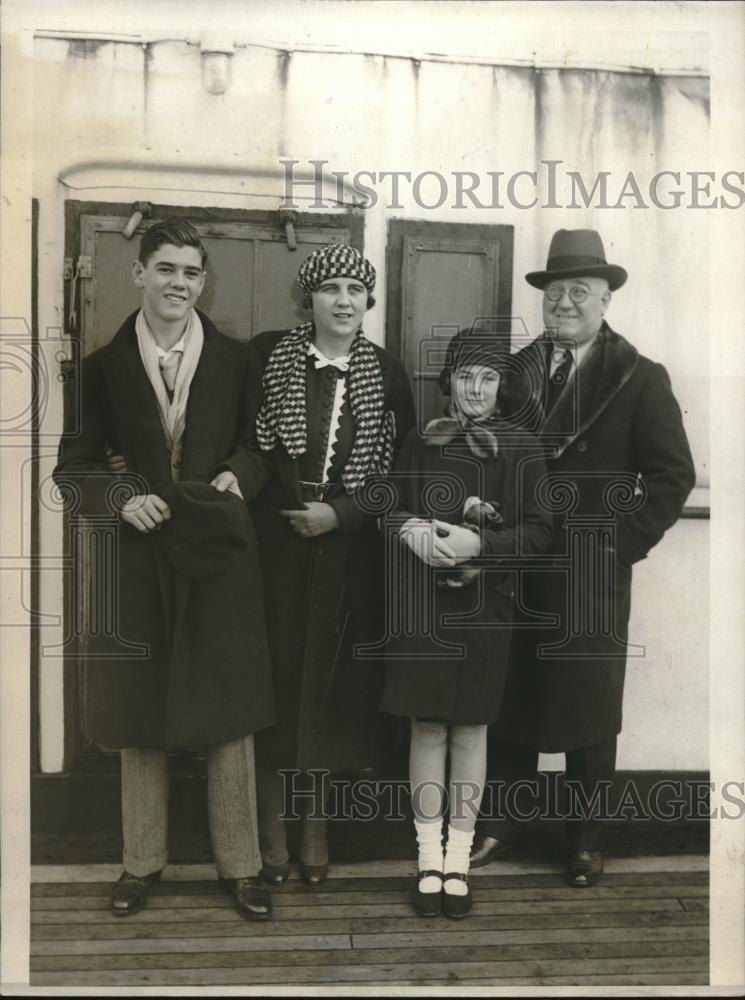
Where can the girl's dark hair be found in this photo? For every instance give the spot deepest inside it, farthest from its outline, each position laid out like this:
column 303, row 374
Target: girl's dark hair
column 470, row 347
column 177, row 232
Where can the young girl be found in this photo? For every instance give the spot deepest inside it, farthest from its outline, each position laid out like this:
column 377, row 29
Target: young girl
column 467, row 498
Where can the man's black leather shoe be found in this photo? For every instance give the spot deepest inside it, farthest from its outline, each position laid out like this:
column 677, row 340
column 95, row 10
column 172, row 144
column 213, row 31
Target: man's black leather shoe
column 251, row 897
column 585, row 868
column 275, row 874
column 130, row 893
column 313, row 875
column 486, row 849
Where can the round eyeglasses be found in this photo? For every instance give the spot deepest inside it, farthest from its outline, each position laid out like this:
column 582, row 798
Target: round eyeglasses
column 576, row 293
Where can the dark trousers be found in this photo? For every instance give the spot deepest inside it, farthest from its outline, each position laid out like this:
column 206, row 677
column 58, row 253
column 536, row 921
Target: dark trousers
column 512, row 772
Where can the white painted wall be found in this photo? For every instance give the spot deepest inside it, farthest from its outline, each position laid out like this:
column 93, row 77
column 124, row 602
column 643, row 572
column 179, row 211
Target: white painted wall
column 124, row 122
column 666, row 701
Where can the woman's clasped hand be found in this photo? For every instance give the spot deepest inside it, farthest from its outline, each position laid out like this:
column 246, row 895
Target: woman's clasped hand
column 317, row 519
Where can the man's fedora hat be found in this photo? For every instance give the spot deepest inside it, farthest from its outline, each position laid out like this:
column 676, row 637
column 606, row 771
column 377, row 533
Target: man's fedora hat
column 577, row 253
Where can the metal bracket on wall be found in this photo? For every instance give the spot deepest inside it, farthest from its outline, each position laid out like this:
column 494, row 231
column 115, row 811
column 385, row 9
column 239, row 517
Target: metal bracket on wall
column 142, row 210
column 288, row 218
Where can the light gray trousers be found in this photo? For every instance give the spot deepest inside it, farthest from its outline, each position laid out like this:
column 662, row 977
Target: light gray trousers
column 231, row 806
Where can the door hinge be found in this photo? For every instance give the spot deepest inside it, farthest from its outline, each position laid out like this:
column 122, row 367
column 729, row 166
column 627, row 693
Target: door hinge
column 83, row 269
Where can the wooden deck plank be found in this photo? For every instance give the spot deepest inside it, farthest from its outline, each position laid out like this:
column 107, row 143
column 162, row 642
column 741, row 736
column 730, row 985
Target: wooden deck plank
column 164, row 899
column 383, row 883
column 694, row 905
column 664, row 979
column 133, row 927
column 186, row 946
column 535, row 937
column 445, row 938
column 228, row 914
column 635, row 865
column 454, row 972
column 231, row 959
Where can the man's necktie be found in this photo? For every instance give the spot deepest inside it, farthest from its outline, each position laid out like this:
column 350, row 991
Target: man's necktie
column 557, row 381
column 169, row 366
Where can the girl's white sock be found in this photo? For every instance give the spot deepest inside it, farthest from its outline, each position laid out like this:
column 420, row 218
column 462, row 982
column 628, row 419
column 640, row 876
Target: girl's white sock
column 429, row 839
column 457, row 860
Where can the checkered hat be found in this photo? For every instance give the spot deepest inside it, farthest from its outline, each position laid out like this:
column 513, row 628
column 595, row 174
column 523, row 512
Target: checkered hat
column 335, row 261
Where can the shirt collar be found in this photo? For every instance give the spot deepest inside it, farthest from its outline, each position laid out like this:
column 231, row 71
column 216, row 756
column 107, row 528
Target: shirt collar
column 578, row 351
column 179, row 346
column 321, row 361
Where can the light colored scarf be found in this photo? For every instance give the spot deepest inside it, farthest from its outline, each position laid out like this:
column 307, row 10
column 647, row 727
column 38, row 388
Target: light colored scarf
column 172, row 412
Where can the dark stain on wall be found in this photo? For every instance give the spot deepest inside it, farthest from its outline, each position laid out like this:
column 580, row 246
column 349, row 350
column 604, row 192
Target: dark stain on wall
column 84, row 48
column 283, row 78
column 694, row 89
column 539, row 83
column 147, row 63
column 657, row 116
column 283, row 68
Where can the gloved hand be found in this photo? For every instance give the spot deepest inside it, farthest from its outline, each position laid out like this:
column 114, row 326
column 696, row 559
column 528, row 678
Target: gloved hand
column 424, row 541
column 465, row 543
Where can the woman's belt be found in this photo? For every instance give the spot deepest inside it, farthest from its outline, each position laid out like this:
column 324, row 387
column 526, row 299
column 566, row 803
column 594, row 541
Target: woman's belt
column 314, row 491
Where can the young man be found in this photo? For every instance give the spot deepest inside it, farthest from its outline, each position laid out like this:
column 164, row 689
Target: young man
column 187, row 664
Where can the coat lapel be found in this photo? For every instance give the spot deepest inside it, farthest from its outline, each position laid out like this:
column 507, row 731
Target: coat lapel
column 135, row 406
column 606, row 368
column 210, row 405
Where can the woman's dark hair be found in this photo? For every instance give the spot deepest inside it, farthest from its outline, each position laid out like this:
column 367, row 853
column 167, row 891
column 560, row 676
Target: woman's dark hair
column 177, row 232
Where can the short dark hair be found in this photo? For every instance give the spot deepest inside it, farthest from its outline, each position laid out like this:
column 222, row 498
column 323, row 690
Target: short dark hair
column 178, row 232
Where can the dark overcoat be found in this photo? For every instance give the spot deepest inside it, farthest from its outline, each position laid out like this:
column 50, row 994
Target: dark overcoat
column 145, row 686
column 324, row 596
column 448, row 653
column 619, row 471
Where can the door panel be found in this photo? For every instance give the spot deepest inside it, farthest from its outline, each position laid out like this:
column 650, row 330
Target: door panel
column 442, row 277
column 250, row 276
column 280, row 302
column 230, row 287
column 446, row 284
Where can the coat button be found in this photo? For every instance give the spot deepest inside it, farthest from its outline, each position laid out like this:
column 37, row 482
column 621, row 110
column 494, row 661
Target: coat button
column 582, row 446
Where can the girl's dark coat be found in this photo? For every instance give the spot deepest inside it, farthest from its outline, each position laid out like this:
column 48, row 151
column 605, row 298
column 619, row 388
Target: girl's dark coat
column 448, row 654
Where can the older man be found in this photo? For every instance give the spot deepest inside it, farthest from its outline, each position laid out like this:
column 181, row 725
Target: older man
column 619, row 471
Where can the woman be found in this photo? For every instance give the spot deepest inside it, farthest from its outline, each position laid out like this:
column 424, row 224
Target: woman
column 335, row 410
column 467, row 490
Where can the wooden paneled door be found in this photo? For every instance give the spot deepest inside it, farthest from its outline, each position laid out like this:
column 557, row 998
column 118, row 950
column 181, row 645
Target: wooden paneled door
column 442, row 277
